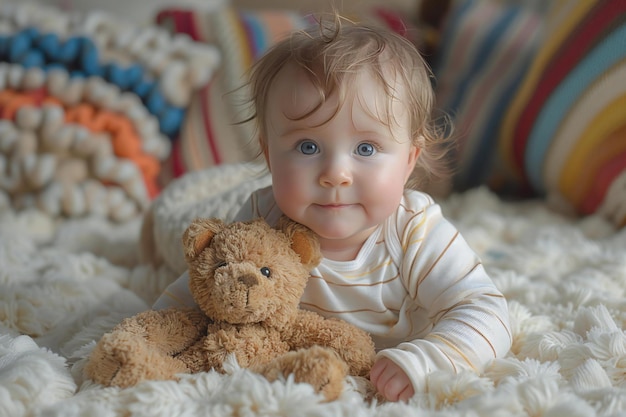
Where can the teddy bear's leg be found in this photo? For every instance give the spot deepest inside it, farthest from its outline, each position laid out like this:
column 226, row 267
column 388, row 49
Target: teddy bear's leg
column 352, row 344
column 122, row 359
column 319, row 366
column 146, row 346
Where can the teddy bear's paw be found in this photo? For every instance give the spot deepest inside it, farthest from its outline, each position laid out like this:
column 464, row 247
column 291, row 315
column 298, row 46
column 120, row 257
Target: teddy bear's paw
column 108, row 359
column 318, row 366
column 122, row 359
column 218, row 345
column 353, row 345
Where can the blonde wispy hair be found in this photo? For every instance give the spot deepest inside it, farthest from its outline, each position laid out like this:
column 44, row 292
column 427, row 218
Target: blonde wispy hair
column 332, row 54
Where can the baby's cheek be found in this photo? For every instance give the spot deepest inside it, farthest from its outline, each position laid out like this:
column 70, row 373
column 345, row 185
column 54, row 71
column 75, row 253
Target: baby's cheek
column 291, row 190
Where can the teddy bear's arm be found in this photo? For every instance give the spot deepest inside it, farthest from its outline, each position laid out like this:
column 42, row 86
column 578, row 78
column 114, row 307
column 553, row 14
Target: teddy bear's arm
column 352, row 344
column 169, row 331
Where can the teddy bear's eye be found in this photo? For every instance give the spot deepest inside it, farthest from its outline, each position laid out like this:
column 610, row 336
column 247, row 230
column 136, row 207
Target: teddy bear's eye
column 221, row 264
column 265, row 271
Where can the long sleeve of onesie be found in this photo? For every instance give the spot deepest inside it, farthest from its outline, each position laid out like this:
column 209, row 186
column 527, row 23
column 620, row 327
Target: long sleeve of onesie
column 467, row 317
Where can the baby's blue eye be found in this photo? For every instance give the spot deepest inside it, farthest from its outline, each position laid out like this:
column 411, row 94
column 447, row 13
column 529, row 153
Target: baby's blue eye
column 365, row 149
column 308, row 148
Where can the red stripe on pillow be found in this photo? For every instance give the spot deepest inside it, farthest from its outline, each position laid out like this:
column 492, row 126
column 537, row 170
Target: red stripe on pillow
column 606, row 175
column 179, row 21
column 206, row 122
column 392, row 20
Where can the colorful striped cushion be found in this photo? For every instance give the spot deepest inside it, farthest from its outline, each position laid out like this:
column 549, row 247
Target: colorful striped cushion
column 564, row 135
column 485, row 50
column 210, row 134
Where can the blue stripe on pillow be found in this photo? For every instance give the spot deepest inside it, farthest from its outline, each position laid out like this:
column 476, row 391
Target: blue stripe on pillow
column 257, row 36
column 485, row 49
column 449, row 35
column 478, row 170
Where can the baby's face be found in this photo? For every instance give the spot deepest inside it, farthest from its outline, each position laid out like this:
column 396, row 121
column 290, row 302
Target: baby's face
column 339, row 177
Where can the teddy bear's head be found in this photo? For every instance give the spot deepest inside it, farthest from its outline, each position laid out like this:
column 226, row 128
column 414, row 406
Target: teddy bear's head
column 248, row 272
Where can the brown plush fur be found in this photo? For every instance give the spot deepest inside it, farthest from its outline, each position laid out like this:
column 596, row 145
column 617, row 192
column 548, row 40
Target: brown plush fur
column 247, row 279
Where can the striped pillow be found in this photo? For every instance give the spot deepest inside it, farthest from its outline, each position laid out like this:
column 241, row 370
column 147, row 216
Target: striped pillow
column 564, row 135
column 485, row 50
column 210, row 134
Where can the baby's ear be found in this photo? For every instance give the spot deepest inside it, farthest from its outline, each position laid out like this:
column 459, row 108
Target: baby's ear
column 198, row 236
column 303, row 241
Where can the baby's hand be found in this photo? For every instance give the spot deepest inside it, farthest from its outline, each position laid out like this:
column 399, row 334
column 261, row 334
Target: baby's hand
column 391, row 381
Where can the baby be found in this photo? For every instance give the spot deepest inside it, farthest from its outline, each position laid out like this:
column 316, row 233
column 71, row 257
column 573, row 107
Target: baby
column 344, row 120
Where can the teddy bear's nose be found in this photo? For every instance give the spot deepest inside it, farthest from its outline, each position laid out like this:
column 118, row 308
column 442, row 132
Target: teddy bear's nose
column 248, row 280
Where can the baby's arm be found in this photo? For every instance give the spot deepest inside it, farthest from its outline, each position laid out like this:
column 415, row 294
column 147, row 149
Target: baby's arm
column 462, row 340
column 469, row 315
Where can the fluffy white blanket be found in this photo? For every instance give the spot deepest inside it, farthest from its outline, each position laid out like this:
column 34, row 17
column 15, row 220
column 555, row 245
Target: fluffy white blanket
column 63, row 284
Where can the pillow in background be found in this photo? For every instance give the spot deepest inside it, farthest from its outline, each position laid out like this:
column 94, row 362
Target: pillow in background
column 485, row 50
column 211, row 134
column 564, row 135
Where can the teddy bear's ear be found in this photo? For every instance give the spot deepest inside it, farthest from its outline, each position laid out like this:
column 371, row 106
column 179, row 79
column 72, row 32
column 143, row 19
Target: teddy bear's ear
column 198, row 236
column 303, row 241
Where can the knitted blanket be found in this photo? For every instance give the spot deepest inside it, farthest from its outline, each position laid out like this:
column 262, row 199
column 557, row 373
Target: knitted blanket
column 64, row 283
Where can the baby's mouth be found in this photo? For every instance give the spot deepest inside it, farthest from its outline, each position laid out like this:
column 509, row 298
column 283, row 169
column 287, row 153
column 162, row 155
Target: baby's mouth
column 334, row 205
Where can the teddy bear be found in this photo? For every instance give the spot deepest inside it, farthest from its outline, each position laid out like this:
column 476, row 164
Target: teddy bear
column 247, row 279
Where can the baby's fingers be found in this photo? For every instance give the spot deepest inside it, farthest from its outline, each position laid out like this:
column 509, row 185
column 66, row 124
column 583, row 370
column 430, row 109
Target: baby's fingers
column 390, row 381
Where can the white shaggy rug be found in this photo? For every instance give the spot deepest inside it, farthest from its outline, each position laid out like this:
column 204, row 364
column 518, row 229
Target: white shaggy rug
column 63, row 284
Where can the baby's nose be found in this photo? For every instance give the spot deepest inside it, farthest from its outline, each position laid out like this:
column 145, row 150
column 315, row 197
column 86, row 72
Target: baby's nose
column 336, row 173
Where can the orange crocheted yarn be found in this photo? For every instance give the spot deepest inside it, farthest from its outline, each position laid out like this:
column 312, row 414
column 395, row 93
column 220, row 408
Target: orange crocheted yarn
column 125, row 140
